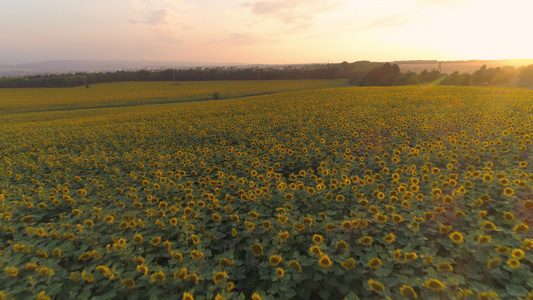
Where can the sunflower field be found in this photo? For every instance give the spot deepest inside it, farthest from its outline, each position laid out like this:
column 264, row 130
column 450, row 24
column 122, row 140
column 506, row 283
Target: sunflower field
column 357, row 193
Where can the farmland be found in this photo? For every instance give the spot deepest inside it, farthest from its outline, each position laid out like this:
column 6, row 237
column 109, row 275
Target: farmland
column 310, row 191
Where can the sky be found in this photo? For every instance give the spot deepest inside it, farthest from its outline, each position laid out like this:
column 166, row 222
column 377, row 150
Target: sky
column 264, row 31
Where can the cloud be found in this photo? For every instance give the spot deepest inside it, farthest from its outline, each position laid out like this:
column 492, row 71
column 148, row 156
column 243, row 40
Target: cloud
column 294, row 11
column 442, row 3
column 155, row 18
column 242, row 39
column 386, row 22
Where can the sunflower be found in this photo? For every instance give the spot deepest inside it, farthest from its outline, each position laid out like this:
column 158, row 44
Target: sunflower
column 458, row 214
column 487, row 178
column 181, row 274
column 522, row 228
column 31, row 267
column 219, row 277
column 448, row 200
column 173, row 221
column 280, row 272
column 348, row 264
column 508, row 191
column 216, row 217
column 487, row 225
column 445, row 267
column 177, row 256
column 484, row 239
column 139, row 260
column 187, row 296
column 311, row 190
column 374, row 263
column 376, row 286
column 342, row 245
column 275, row 260
column 513, row 263
column 325, row 262
column 257, row 249
column 410, row 256
column 11, row 271
column 434, row 285
column 129, row 283
column 528, row 205
column 256, row 296
column 527, row 244
column 316, row 250
column 493, row 262
column 230, row 286
column 502, row 249
column 346, row 225
column 390, row 238
column 381, row 218
column 397, row 218
column 397, row 254
column 317, row 239
column 219, row 297
column 142, row 269
column 267, row 225
column 195, row 239
column 456, row 237
column 193, row 278
column 295, row 265
column 196, row 254
column 366, row 240
column 85, row 256
column 138, row 238
column 331, row 227
column 155, row 241
column 226, row 263
column 518, row 254
column 158, row 276
column 443, row 229
column 408, row 291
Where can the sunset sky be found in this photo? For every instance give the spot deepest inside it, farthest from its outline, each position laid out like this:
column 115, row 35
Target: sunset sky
column 264, row 31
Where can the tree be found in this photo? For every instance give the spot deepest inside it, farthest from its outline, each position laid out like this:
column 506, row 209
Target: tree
column 387, row 74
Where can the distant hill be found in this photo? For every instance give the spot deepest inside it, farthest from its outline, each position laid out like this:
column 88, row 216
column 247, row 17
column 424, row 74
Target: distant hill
column 68, row 66
column 73, row 66
column 462, row 66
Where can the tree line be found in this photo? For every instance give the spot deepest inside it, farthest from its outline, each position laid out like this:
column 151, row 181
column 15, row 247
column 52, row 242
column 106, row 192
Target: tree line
column 319, row 71
column 361, row 73
column 390, row 74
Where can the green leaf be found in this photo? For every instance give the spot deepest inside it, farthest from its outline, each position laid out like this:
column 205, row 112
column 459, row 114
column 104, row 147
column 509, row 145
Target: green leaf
column 516, row 290
column 55, row 288
column 351, row 296
column 324, row 294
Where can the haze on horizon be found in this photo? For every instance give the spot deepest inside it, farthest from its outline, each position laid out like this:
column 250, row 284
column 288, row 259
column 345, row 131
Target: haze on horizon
column 264, row 31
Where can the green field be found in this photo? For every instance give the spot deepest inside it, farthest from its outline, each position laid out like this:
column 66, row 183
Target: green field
column 307, row 190
column 121, row 94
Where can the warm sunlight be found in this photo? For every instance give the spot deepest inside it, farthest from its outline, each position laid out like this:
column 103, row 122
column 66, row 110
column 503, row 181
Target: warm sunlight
column 264, row 31
column 266, row 149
